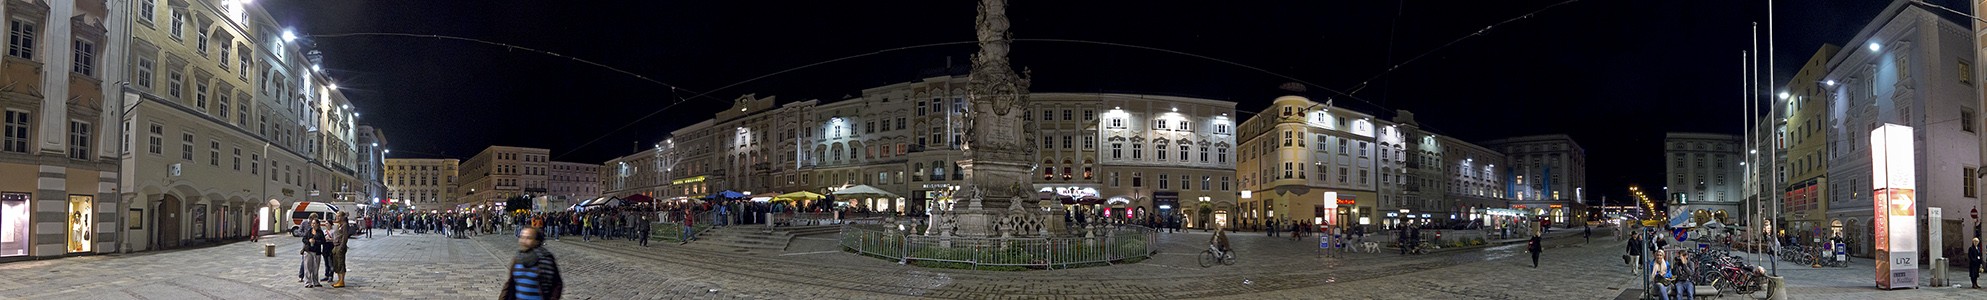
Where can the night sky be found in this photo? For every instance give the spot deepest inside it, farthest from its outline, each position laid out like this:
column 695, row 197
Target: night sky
column 1615, row 75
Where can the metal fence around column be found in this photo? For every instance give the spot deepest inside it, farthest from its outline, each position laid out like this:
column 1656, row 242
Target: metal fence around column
column 1104, row 246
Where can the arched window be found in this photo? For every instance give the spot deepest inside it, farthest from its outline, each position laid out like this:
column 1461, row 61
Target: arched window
column 1086, row 169
column 1067, row 169
column 937, row 171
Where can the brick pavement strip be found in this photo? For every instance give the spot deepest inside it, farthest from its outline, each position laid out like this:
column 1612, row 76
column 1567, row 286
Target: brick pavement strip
column 431, row 267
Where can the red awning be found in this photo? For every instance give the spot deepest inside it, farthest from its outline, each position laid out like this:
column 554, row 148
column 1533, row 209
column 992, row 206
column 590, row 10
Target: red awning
column 637, row 198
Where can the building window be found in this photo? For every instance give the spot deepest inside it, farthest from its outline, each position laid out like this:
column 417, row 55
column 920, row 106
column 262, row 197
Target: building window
column 214, row 153
column 1203, row 154
column 86, row 58
column 1117, row 151
column 1114, row 179
column 223, row 102
column 1970, row 182
column 200, row 95
column 143, row 75
column 1966, row 121
column 156, row 142
column 1137, row 179
column 1162, row 181
column 1224, row 183
column 1066, row 115
column 1089, row 142
column 178, row 21
column 175, row 84
column 19, row 124
column 1089, row 115
column 200, row 43
column 1117, row 123
column 79, row 140
column 21, row 39
column 1286, row 170
column 237, row 159
column 1159, row 124
column 1137, row 151
column 1048, row 115
column 1965, row 72
column 1206, row 182
column 1066, row 142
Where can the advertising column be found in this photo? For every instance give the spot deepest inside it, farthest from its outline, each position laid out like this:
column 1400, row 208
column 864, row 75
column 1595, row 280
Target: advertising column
column 1891, row 165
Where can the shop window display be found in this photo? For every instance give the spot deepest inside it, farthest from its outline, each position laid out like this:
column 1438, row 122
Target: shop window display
column 14, row 224
column 81, row 215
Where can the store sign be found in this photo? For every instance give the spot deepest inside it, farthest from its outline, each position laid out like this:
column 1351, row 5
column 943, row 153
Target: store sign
column 1895, row 203
column 692, row 179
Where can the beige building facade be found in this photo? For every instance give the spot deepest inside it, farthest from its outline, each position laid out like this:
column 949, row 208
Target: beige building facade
column 421, row 183
column 571, row 182
column 499, row 173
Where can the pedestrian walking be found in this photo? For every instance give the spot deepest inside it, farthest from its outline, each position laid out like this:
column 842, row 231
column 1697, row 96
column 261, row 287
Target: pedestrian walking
column 644, row 228
column 689, row 224
column 1587, row 234
column 1536, row 246
column 1973, row 262
column 534, row 272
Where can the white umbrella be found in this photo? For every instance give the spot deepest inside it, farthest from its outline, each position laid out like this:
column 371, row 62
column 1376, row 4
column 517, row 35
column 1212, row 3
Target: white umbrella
column 864, row 190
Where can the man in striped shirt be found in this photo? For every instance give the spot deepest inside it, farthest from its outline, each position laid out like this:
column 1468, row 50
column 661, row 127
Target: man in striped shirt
column 534, row 272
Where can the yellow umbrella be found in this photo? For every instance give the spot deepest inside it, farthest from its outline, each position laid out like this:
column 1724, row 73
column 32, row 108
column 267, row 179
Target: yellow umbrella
column 801, row 195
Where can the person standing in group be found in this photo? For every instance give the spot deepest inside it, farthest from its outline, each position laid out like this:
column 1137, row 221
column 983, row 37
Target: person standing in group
column 337, row 238
column 1635, row 252
column 1534, row 247
column 310, row 254
column 1973, row 262
column 307, row 271
column 534, row 272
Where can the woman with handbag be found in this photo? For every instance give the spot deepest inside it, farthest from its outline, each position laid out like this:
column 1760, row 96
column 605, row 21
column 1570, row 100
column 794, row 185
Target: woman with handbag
column 1659, row 272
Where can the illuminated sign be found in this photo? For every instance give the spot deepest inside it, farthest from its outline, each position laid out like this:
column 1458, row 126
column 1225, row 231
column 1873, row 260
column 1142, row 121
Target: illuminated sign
column 1557, row 206
column 1892, row 162
column 694, row 179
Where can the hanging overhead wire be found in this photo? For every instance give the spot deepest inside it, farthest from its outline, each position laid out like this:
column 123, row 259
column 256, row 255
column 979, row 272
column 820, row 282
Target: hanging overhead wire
column 1363, row 83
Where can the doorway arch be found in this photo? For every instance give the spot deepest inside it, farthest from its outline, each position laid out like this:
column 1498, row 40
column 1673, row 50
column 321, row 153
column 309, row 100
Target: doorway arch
column 167, row 215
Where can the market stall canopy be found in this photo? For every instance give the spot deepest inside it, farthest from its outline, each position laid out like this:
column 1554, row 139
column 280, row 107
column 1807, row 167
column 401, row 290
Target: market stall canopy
column 726, row 194
column 607, row 201
column 638, row 199
column 864, row 190
column 801, row 195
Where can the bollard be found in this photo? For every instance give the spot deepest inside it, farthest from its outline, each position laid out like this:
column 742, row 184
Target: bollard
column 1776, row 288
column 269, row 250
column 1939, row 266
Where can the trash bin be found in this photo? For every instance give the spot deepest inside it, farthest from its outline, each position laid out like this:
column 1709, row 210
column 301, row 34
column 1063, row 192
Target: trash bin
column 269, row 250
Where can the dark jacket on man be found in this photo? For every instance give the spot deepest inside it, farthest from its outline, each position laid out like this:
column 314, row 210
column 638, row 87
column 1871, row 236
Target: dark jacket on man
column 534, row 275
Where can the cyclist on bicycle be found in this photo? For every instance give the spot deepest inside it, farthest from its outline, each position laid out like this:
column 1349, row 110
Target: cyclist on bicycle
column 1220, row 240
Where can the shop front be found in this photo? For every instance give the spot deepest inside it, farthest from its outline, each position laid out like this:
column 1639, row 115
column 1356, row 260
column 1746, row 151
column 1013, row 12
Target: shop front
column 14, row 220
column 80, row 212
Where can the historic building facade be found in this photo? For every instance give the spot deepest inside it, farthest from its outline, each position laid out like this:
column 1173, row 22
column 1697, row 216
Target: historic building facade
column 1704, row 175
column 217, row 96
column 499, row 173
column 1912, row 67
column 571, row 182
column 421, row 183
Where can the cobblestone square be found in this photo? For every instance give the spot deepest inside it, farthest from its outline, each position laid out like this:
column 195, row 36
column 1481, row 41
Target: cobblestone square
column 428, row 266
